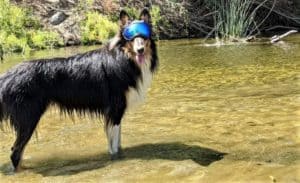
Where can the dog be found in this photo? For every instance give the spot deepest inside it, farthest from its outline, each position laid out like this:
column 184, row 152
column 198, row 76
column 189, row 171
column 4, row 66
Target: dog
column 104, row 82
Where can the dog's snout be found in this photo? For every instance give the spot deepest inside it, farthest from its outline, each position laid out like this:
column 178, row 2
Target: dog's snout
column 140, row 50
column 139, row 45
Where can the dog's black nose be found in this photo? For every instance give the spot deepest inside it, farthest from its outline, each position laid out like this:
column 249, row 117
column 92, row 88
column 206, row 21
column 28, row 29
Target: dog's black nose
column 141, row 50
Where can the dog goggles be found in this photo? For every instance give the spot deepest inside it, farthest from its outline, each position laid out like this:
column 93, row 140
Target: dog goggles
column 137, row 28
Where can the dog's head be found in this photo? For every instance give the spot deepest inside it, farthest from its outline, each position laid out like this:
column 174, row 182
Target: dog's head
column 134, row 37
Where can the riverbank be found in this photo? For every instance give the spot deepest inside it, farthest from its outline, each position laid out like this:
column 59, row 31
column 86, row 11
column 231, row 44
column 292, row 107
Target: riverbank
column 54, row 23
column 174, row 19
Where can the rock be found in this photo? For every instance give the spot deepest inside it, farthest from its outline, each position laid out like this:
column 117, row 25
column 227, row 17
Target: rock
column 69, row 31
column 58, row 18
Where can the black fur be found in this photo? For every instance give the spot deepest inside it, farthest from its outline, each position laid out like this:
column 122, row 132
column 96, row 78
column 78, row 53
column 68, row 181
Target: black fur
column 94, row 82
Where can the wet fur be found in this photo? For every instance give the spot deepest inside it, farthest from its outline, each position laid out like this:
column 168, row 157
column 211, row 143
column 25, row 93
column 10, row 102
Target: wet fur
column 99, row 82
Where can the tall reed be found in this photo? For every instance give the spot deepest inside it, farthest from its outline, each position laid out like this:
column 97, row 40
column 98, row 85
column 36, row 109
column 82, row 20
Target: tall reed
column 235, row 19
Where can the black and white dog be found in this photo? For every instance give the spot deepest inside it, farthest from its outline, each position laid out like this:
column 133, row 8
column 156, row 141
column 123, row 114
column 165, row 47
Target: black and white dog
column 104, row 82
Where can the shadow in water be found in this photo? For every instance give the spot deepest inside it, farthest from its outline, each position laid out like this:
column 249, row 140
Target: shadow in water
column 169, row 151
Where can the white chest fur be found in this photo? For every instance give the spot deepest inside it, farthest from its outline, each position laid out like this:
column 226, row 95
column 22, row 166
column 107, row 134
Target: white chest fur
column 136, row 96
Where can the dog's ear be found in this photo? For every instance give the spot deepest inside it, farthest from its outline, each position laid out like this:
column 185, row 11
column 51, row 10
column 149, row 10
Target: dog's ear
column 123, row 21
column 123, row 18
column 145, row 15
column 113, row 42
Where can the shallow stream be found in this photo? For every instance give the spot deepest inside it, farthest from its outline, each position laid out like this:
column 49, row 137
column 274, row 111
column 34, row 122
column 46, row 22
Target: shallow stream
column 213, row 114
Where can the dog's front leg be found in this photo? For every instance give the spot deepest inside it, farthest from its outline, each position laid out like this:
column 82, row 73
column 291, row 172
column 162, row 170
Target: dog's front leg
column 113, row 133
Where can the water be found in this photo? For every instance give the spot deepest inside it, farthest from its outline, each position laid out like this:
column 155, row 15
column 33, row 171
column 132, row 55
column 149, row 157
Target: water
column 213, row 114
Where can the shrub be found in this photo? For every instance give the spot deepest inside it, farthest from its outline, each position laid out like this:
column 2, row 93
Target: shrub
column 11, row 43
column 45, row 39
column 157, row 20
column 20, row 31
column 97, row 28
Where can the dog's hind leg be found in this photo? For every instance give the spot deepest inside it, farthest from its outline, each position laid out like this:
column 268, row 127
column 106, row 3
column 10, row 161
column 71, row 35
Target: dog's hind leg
column 23, row 136
column 18, row 148
column 25, row 123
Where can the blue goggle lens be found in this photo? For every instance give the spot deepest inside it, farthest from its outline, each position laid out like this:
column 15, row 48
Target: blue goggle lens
column 137, row 28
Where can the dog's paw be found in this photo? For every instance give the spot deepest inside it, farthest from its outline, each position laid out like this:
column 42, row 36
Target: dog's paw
column 114, row 157
column 17, row 169
column 121, row 153
column 117, row 156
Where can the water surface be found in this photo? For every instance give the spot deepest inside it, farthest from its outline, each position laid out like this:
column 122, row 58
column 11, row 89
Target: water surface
column 213, row 114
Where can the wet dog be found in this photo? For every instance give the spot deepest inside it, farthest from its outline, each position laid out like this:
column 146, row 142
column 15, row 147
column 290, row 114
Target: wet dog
column 103, row 82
